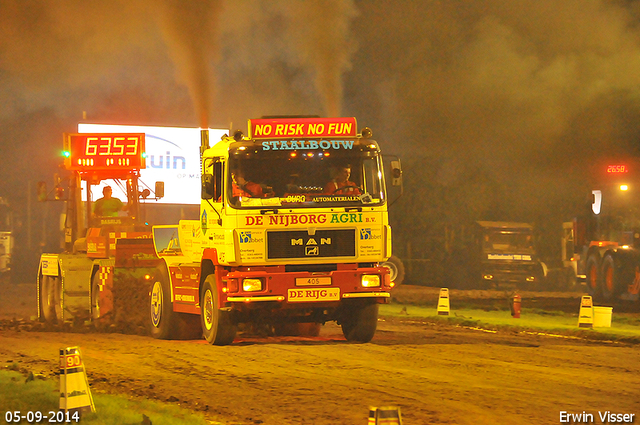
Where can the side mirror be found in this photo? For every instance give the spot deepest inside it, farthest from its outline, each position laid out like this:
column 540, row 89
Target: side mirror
column 596, row 201
column 159, row 190
column 396, row 173
column 206, row 191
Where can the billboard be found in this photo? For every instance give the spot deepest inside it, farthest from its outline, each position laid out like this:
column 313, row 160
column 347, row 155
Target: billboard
column 173, row 157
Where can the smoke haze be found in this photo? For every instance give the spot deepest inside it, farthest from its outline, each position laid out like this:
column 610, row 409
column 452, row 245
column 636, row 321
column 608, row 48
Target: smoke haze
column 494, row 106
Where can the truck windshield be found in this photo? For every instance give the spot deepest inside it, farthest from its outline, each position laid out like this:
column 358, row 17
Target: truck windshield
column 508, row 241
column 303, row 178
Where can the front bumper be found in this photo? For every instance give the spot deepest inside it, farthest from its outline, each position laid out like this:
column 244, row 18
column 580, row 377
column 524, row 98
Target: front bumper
column 292, row 290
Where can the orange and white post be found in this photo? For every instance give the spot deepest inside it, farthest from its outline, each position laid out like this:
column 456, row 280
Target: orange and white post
column 585, row 318
column 443, row 302
column 74, row 388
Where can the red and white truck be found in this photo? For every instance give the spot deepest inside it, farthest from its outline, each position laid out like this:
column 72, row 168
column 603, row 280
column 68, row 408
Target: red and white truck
column 281, row 250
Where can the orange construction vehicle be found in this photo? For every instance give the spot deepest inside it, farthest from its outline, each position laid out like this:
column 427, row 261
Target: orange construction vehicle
column 607, row 235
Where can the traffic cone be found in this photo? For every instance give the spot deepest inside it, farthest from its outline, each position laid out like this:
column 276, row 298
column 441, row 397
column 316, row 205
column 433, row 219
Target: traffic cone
column 74, row 387
column 387, row 415
column 443, row 302
column 585, row 318
column 515, row 306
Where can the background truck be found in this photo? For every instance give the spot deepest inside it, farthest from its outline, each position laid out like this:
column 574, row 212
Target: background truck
column 293, row 256
column 6, row 239
column 492, row 254
column 607, row 235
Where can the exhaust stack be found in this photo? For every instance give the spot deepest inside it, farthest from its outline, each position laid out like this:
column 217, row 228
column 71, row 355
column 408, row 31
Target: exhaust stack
column 204, row 141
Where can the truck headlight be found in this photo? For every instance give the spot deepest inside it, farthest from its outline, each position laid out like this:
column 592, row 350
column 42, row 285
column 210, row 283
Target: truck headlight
column 251, row 285
column 370, row 280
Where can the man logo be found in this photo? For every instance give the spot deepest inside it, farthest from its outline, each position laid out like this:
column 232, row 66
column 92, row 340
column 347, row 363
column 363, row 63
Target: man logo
column 311, row 250
column 311, row 241
column 245, row 237
column 365, row 233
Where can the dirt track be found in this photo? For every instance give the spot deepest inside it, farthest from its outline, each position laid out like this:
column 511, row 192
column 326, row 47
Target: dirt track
column 437, row 374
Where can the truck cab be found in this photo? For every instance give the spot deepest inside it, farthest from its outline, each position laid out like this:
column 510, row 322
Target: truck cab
column 6, row 238
column 293, row 228
column 492, row 254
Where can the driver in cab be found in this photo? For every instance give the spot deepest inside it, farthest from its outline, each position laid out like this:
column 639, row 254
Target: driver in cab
column 340, row 184
column 245, row 188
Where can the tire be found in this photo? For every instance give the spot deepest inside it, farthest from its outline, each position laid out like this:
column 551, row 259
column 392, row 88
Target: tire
column 162, row 318
column 51, row 299
column 218, row 327
column 615, row 277
column 396, row 269
column 360, row 322
column 593, row 275
column 570, row 279
column 609, row 277
column 98, row 319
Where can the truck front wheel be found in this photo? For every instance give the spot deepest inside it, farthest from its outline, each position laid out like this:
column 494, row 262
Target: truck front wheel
column 218, row 327
column 360, row 322
column 51, row 299
column 396, row 269
column 593, row 275
column 163, row 318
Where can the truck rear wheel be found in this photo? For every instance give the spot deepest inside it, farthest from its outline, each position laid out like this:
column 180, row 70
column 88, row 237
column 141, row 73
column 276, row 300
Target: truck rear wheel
column 98, row 319
column 218, row 327
column 593, row 275
column 360, row 322
column 51, row 299
column 615, row 277
column 396, row 269
column 162, row 316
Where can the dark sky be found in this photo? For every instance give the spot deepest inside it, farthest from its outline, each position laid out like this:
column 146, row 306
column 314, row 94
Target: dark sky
column 498, row 103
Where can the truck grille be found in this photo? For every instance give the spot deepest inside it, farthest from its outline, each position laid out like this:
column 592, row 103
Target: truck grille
column 323, row 244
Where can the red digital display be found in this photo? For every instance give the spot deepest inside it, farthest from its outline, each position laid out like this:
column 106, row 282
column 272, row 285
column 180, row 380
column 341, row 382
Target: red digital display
column 104, row 151
column 617, row 169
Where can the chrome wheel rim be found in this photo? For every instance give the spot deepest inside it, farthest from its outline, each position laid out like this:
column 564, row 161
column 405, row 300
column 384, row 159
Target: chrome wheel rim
column 208, row 310
column 156, row 304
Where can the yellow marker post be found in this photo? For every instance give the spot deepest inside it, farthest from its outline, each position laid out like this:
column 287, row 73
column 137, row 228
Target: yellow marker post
column 585, row 318
column 74, row 387
column 443, row 302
